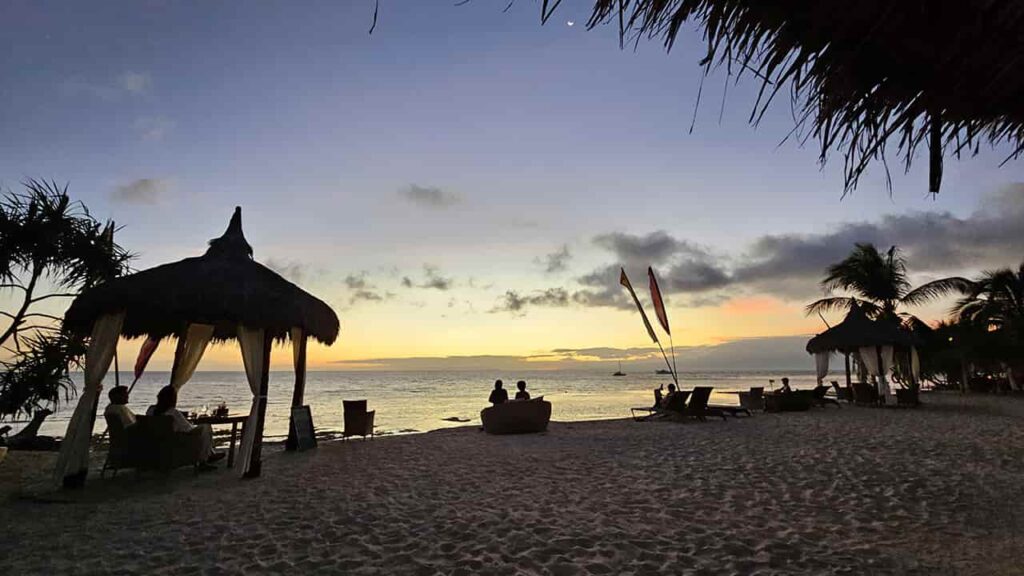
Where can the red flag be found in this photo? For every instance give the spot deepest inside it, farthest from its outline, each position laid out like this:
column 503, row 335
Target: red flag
column 659, row 304
column 647, row 323
column 145, row 353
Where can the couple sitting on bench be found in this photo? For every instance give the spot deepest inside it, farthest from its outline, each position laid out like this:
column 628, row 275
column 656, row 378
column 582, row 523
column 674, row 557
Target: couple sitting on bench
column 135, row 440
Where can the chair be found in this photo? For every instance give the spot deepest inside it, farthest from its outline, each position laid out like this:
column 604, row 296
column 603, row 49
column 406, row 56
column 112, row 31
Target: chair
column 752, row 400
column 358, row 422
column 865, row 394
column 843, row 393
column 151, row 444
column 698, row 406
column 519, row 417
column 820, row 398
column 907, row 398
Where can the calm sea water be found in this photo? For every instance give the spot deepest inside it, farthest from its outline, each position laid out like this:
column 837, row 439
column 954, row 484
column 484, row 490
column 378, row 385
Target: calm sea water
column 420, row 401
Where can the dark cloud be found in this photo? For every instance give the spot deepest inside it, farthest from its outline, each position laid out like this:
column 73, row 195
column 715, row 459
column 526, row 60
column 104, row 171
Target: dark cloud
column 435, row 280
column 362, row 290
column 295, row 271
column 516, row 303
column 356, row 281
column 556, row 261
column 791, row 265
column 406, row 282
column 429, row 196
column 141, row 191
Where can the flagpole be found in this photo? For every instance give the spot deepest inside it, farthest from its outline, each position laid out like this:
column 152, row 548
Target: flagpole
column 673, row 345
column 674, row 377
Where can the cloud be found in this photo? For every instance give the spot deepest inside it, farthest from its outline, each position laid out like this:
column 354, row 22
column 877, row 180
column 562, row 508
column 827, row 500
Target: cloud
column 290, row 269
column 134, row 82
column 406, row 282
column 777, row 353
column 557, row 261
column 153, row 128
column 126, row 84
column 513, row 302
column 362, row 290
column 429, row 196
column 141, row 191
column 434, row 279
column 791, row 266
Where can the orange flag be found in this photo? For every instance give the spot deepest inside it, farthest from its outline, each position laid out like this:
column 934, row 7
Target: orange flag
column 145, row 353
column 659, row 304
column 647, row 323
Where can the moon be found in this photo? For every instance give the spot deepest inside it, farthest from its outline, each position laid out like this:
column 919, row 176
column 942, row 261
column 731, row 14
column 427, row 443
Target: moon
column 570, row 23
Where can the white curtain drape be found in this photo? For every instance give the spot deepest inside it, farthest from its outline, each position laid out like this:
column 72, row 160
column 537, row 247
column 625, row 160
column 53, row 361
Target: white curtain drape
column 74, row 449
column 188, row 353
column 888, row 359
column 251, row 342
column 869, row 358
column 821, row 365
column 915, row 365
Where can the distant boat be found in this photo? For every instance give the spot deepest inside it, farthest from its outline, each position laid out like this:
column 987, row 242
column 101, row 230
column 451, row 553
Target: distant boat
column 663, row 371
column 620, row 372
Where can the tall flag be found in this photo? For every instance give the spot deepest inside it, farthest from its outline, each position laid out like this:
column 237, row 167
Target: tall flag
column 624, row 280
column 659, row 304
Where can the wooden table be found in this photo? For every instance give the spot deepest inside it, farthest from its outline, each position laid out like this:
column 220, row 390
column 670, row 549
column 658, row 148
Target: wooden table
column 234, row 420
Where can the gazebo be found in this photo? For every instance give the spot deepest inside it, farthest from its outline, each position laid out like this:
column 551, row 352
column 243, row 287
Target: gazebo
column 873, row 341
column 221, row 295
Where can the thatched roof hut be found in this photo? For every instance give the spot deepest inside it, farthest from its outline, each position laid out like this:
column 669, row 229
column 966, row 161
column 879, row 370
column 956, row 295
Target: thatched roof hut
column 863, row 75
column 857, row 331
column 222, row 295
column 224, row 288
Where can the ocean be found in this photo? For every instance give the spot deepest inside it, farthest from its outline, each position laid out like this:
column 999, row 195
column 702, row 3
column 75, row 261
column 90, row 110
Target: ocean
column 409, row 402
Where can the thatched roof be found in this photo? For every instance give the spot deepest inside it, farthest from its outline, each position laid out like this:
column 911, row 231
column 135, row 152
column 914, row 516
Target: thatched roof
column 857, row 331
column 225, row 287
column 863, row 74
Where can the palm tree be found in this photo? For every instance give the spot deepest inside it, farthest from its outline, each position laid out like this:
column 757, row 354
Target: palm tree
column 995, row 301
column 878, row 284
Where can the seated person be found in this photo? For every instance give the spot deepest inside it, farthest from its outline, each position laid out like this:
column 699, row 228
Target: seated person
column 522, row 394
column 658, row 398
column 166, row 402
column 785, row 386
column 668, row 397
column 118, row 406
column 499, row 395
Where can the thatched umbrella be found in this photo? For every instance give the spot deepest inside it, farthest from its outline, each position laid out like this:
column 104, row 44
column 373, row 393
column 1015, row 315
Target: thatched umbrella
column 862, row 74
column 222, row 295
column 855, row 333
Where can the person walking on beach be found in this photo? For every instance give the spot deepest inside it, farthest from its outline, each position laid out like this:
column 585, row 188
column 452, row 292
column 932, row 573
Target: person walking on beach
column 499, row 395
column 522, row 394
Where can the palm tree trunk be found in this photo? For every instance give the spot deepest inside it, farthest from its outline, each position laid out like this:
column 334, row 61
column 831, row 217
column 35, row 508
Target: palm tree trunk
column 963, row 374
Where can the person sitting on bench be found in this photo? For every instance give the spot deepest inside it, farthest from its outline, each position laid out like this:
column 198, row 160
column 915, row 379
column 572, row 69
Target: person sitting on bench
column 166, row 402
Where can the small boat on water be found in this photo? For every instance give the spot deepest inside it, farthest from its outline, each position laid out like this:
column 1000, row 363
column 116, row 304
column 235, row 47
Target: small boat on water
column 663, row 372
column 619, row 372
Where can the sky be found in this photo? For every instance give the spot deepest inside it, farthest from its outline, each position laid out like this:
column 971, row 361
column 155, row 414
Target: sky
column 462, row 184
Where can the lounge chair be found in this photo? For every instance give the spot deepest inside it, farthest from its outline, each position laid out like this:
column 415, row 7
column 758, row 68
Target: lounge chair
column 865, row 394
column 843, row 393
column 517, row 417
column 795, row 401
column 819, row 394
column 698, row 407
column 358, row 421
column 754, row 399
column 151, row 444
column 676, row 405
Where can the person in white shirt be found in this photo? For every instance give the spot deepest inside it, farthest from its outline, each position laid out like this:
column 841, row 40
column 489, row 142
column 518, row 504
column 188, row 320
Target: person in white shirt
column 166, row 402
column 118, row 406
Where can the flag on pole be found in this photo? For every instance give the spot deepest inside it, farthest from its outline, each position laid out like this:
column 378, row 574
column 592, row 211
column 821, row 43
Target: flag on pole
column 624, row 280
column 659, row 304
column 145, row 353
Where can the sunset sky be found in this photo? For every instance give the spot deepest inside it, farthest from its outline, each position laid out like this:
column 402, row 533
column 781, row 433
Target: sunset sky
column 465, row 182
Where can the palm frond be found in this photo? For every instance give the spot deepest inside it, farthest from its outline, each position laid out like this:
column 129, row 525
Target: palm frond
column 938, row 289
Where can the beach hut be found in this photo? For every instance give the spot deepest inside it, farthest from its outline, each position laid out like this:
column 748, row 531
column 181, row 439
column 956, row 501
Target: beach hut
column 219, row 296
column 874, row 343
column 863, row 76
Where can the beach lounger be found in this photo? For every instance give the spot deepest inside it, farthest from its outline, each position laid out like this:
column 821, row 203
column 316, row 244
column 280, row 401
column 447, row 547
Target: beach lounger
column 517, row 417
column 754, row 399
column 820, row 398
column 843, row 393
column 698, row 407
column 358, row 421
column 865, row 394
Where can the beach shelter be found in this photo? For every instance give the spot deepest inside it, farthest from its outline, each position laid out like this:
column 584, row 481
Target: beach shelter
column 222, row 295
column 872, row 341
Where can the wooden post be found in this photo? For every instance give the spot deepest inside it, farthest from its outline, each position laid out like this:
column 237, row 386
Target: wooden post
column 256, row 464
column 300, row 387
column 881, row 375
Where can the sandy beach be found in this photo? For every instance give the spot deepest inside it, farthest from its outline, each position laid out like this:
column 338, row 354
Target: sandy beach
column 833, row 491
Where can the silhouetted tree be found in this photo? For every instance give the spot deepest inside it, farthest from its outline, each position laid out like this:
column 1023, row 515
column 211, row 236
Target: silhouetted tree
column 50, row 248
